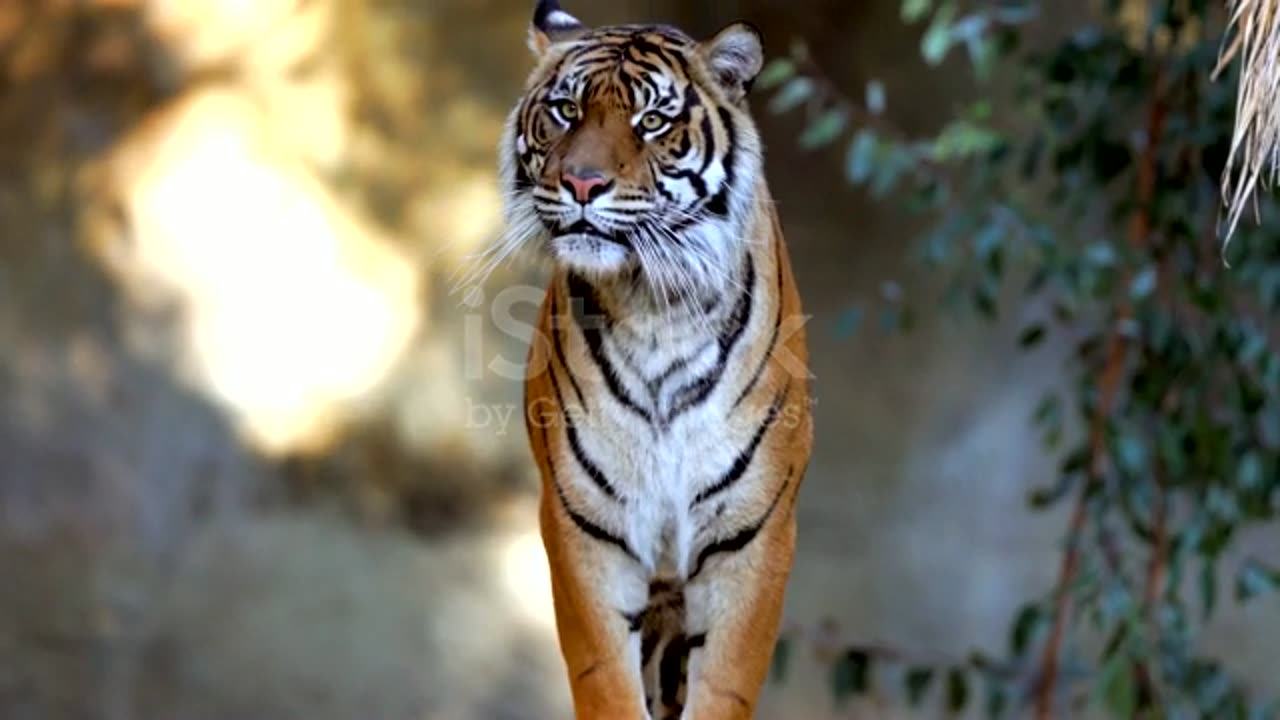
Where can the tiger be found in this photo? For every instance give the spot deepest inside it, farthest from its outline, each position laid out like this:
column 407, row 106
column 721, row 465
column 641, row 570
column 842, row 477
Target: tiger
column 667, row 391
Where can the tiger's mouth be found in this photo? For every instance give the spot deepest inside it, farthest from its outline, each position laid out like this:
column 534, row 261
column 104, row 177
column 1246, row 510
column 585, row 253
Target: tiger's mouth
column 585, row 247
column 584, row 229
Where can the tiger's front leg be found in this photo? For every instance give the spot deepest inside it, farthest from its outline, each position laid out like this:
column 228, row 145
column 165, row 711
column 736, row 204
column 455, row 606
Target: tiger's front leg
column 736, row 599
column 589, row 581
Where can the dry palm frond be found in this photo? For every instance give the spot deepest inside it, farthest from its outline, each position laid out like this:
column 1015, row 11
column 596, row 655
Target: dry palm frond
column 1254, row 160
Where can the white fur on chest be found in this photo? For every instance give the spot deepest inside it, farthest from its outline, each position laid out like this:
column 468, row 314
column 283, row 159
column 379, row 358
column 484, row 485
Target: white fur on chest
column 675, row 433
column 661, row 522
column 658, row 472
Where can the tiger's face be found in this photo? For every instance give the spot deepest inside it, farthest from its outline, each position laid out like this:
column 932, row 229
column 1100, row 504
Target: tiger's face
column 632, row 152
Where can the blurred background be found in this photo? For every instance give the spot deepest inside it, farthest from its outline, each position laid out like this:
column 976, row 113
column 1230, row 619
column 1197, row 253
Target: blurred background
column 257, row 460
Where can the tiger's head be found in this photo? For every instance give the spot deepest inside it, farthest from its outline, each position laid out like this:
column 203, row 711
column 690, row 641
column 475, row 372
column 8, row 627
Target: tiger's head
column 632, row 152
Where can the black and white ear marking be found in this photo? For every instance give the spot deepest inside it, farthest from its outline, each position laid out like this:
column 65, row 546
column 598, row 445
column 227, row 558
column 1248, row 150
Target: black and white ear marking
column 552, row 25
column 734, row 56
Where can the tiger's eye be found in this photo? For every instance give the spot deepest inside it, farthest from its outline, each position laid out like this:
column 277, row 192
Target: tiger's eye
column 568, row 109
column 652, row 121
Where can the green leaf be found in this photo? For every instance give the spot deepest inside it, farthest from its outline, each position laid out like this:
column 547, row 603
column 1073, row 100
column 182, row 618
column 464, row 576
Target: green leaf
column 984, row 299
column 1255, row 579
column 997, row 698
column 1249, row 473
column 1101, row 254
column 937, row 39
column 824, row 129
column 1115, row 605
column 1208, row 588
column 1076, row 462
column 917, row 682
column 982, row 55
column 875, row 97
column 1210, row 685
column 860, row 161
column 851, row 675
column 781, row 658
column 892, row 161
column 1048, row 410
column 1119, row 692
column 987, row 240
column 1043, row 497
column 1028, row 622
column 957, row 689
column 1223, row 505
column 1031, row 336
column 1144, row 283
column 776, row 73
column 1131, row 453
column 962, row 139
column 796, row 91
column 913, row 10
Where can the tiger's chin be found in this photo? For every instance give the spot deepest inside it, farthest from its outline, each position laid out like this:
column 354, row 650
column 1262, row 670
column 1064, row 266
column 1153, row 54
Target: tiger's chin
column 591, row 254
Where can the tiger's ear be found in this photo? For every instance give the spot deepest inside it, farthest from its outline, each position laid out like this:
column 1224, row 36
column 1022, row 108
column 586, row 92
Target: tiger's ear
column 734, row 56
column 552, row 25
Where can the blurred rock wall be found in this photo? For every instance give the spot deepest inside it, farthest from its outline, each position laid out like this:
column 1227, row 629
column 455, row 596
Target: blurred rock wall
column 251, row 457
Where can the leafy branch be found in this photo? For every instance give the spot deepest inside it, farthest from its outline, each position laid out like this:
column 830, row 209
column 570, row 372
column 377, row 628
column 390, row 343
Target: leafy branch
column 1105, row 208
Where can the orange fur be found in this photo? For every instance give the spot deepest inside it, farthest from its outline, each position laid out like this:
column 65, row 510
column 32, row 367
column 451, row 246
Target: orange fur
column 592, row 635
column 667, row 517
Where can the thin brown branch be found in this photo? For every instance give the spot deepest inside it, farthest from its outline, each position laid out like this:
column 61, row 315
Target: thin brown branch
column 1108, row 387
column 1159, row 559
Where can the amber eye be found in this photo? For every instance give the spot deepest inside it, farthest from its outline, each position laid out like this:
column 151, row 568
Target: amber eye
column 653, row 121
column 566, row 109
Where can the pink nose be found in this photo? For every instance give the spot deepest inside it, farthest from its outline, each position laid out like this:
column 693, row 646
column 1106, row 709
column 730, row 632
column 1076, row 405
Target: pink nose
column 585, row 185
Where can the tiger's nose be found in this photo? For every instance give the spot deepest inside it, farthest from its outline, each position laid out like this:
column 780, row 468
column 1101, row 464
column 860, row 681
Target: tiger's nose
column 585, row 185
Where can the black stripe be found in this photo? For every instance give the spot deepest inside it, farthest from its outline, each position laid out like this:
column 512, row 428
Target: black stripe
column 643, row 75
column 673, row 59
column 649, row 643
column 697, row 641
column 773, row 340
column 696, row 393
column 648, row 66
column 659, row 587
column 523, row 181
column 634, row 620
column 743, row 461
column 655, row 385
column 691, row 101
column 696, row 182
column 671, row 669
column 590, row 468
column 709, row 152
column 743, row 537
column 588, row 313
column 686, row 144
column 727, row 118
column 719, row 203
column 571, row 431
column 558, row 346
column 666, row 195
column 585, row 525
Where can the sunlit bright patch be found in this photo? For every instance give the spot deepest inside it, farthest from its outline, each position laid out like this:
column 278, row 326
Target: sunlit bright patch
column 290, row 307
column 527, row 578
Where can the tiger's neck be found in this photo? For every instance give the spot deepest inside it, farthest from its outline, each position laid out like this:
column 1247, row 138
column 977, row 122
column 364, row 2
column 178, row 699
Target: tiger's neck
column 657, row 359
column 636, row 301
column 636, row 308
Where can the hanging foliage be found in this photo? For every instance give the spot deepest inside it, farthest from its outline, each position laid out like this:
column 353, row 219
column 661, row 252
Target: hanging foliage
column 1097, row 196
